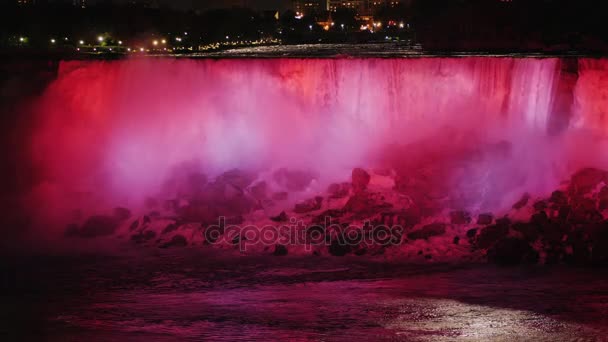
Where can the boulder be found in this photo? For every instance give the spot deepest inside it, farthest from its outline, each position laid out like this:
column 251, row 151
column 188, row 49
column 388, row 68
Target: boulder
column 512, row 251
column 586, row 180
column 282, row 217
column 540, row 206
column 259, row 190
column 169, row 228
column 428, row 231
column 293, row 180
column 485, row 219
column 280, row 250
column 360, row 180
column 489, row 235
column 177, row 241
column 522, row 202
column 238, row 178
column 309, row 205
column 530, row 232
column 143, row 236
column 559, row 198
column 338, row 190
column 122, row 214
column 460, row 217
column 338, row 247
column 96, row 226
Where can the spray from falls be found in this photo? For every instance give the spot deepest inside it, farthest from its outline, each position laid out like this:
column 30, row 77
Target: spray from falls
column 112, row 133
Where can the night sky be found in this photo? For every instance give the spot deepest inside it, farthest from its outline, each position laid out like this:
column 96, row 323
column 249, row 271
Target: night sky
column 204, row 4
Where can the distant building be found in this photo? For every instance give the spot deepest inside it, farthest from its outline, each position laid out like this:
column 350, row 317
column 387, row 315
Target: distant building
column 80, row 3
column 25, row 2
column 306, row 7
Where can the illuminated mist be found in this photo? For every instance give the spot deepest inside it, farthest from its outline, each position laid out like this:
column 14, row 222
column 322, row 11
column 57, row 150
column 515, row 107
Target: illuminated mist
column 111, row 133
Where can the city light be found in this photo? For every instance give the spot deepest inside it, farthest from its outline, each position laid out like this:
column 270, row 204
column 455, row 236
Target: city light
column 155, row 43
column 141, row 49
column 21, row 39
column 100, row 39
column 164, row 41
column 401, row 25
column 178, row 39
column 120, row 42
column 52, row 41
column 81, row 42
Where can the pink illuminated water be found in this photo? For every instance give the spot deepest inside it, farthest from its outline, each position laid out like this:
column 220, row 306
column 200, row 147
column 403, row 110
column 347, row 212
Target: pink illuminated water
column 110, row 133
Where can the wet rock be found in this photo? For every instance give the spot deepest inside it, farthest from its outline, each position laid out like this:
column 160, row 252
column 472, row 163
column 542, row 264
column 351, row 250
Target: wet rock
column 237, row 178
column 280, row 250
column 460, row 217
column 485, row 219
column 122, row 214
column 96, row 226
column 530, row 232
column 522, row 202
column 338, row 247
column 360, row 180
column 134, row 225
column 428, row 231
column 169, row 228
column 176, row 241
column 402, row 218
column 339, row 190
column 540, row 206
column 282, row 217
column 559, row 198
column 489, row 235
column 293, row 180
column 259, row 190
column 332, row 216
column 280, row 196
column 143, row 236
column 471, row 233
column 586, row 180
column 309, row 205
column 512, row 251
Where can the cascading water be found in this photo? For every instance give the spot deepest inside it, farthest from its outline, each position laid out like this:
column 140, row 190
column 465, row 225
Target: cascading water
column 110, row 133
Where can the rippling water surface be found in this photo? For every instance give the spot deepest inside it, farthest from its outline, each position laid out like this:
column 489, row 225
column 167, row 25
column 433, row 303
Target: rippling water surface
column 194, row 296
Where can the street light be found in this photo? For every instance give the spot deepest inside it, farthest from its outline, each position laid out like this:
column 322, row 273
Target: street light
column 81, row 42
column 120, row 42
column 52, row 41
column 155, row 42
column 100, row 39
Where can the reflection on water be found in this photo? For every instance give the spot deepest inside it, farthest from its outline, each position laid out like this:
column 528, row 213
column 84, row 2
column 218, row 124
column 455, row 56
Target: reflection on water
column 196, row 296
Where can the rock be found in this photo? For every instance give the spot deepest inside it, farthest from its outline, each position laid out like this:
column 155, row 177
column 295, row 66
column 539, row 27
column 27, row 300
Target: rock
column 522, row 202
column 280, row 196
column 96, row 226
column 238, row 178
column 309, row 205
column 599, row 248
column 360, row 180
column 282, row 217
column 586, row 180
column 559, row 198
column 471, row 233
column 143, row 236
column 512, row 251
column 169, row 228
column 331, row 215
column 176, row 241
column 456, row 240
column 280, row 250
column 540, row 206
column 405, row 219
column 338, row 247
column 460, row 217
column 529, row 231
column 489, row 235
column 339, row 190
column 485, row 219
column 259, row 190
column 539, row 219
column 293, row 180
column 71, row 230
column 428, row 231
column 503, row 222
column 122, row 214
column 134, row 225
column 365, row 204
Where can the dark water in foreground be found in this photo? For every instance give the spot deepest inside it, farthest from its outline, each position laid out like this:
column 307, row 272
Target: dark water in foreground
column 193, row 296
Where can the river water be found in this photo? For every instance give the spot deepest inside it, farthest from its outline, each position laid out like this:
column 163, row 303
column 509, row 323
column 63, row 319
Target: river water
column 194, row 295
